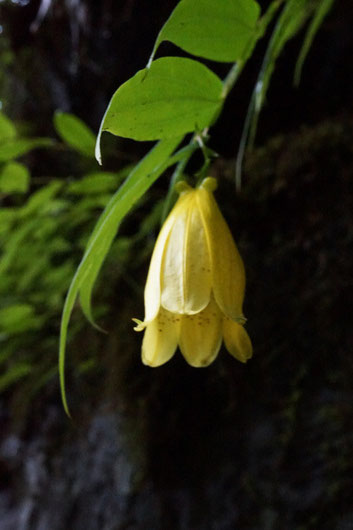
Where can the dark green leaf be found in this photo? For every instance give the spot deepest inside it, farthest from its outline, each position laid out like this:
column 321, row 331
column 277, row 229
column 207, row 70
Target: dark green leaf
column 292, row 18
column 13, row 374
column 321, row 12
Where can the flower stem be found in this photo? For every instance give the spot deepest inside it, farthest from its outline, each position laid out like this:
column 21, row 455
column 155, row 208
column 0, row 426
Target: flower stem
column 177, row 174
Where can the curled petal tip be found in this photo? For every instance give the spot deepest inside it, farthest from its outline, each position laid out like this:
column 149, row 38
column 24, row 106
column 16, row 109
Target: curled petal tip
column 209, row 184
column 182, row 187
column 236, row 340
column 140, row 325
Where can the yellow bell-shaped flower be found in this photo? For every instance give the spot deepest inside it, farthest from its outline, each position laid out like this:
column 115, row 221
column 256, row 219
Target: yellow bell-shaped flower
column 195, row 286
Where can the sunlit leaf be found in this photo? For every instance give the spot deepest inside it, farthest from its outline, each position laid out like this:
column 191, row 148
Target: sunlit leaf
column 14, row 178
column 218, row 30
column 75, row 133
column 174, row 97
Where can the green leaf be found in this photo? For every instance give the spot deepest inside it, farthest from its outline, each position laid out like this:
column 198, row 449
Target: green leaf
column 13, row 148
column 75, row 133
column 140, row 179
column 292, row 18
column 218, row 30
column 14, row 178
column 321, row 12
column 174, row 97
column 7, row 128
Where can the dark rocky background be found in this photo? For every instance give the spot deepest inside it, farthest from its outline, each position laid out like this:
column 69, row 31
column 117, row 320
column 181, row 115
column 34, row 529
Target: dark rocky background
column 268, row 445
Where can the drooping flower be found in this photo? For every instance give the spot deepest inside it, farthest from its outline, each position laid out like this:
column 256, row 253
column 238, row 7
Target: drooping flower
column 195, row 285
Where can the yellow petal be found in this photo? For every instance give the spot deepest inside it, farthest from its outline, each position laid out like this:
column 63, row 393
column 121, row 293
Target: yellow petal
column 186, row 269
column 153, row 283
column 237, row 340
column 228, row 275
column 161, row 339
column 201, row 336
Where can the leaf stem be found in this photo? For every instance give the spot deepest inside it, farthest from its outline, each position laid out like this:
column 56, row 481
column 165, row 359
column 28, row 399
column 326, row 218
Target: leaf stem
column 232, row 78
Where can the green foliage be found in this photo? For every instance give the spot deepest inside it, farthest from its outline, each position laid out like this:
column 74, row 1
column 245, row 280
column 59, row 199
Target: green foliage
column 14, row 374
column 18, row 318
column 293, row 16
column 322, row 10
column 7, row 128
column 14, row 177
column 75, row 133
column 138, row 182
column 174, row 96
column 43, row 230
column 290, row 21
column 14, row 147
column 46, row 224
column 220, row 31
column 97, row 182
